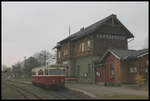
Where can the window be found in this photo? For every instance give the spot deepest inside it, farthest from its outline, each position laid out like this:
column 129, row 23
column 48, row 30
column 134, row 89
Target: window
column 97, row 35
column 82, row 47
column 103, row 36
column 98, row 74
column 106, row 36
column 100, row 36
column 56, row 71
column 78, row 70
column 133, row 69
column 112, row 70
column 46, row 71
column 110, row 36
column 33, row 73
column 65, row 51
column 147, row 63
column 40, row 72
column 59, row 54
column 89, row 44
column 89, row 68
column 146, row 70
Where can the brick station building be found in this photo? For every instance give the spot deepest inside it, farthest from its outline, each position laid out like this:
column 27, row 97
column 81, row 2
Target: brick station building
column 121, row 66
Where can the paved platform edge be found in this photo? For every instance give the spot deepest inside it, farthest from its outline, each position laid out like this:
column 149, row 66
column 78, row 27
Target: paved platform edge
column 85, row 92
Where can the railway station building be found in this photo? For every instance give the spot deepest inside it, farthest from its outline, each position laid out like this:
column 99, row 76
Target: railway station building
column 81, row 50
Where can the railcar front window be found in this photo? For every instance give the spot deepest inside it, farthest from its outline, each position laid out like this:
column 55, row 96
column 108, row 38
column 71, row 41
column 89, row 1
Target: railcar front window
column 56, row 72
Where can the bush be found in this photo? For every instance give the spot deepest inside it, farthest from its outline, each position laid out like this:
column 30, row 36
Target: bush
column 139, row 80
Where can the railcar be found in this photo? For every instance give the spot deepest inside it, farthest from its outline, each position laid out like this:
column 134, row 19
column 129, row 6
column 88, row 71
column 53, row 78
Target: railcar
column 52, row 75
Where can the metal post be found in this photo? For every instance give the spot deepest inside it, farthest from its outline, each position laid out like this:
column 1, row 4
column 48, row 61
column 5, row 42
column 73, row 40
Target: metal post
column 45, row 57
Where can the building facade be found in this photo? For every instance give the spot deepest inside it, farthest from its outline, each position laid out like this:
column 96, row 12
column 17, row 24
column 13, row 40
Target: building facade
column 81, row 49
column 121, row 66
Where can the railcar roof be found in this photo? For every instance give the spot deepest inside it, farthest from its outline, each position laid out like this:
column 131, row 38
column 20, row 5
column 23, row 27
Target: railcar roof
column 53, row 66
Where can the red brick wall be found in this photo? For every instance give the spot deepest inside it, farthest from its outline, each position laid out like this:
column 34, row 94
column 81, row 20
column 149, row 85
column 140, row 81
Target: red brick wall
column 140, row 63
column 109, row 59
column 126, row 75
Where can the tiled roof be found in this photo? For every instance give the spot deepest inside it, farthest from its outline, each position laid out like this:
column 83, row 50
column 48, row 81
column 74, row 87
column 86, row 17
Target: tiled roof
column 126, row 54
column 88, row 30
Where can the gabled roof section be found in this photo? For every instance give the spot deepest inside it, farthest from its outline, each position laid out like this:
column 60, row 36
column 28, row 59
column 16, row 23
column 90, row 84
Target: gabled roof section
column 90, row 29
column 126, row 54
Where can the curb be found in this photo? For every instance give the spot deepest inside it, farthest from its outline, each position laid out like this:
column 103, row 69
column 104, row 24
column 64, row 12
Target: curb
column 86, row 93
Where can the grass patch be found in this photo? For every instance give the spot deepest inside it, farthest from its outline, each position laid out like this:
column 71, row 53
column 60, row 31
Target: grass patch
column 119, row 96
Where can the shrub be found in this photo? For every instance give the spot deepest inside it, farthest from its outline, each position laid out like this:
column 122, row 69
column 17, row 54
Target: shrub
column 139, row 80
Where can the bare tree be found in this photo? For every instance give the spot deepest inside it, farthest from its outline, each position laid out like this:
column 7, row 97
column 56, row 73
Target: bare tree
column 45, row 58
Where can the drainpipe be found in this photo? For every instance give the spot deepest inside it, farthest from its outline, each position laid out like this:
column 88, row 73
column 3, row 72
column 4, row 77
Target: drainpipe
column 93, row 73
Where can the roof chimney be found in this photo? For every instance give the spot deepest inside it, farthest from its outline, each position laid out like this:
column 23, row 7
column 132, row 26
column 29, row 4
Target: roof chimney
column 114, row 15
column 81, row 29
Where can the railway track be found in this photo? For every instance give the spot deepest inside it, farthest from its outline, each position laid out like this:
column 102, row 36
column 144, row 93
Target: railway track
column 22, row 91
column 59, row 93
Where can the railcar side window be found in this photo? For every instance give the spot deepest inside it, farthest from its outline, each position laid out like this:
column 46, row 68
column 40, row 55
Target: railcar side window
column 50, row 72
column 40, row 72
column 46, row 71
column 33, row 73
column 56, row 71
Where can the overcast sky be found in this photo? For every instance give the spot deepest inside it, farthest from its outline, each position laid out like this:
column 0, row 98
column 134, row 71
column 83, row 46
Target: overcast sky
column 29, row 27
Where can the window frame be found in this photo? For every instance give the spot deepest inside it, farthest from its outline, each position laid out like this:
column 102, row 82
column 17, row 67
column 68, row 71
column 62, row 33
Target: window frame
column 112, row 69
column 134, row 69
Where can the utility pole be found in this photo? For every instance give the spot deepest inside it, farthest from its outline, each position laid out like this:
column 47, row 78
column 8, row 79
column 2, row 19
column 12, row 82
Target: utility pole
column 45, row 58
column 69, row 42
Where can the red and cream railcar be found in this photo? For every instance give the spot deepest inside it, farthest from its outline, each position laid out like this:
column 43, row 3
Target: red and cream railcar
column 49, row 75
